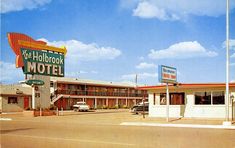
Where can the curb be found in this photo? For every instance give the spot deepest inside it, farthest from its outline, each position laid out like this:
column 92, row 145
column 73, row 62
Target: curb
column 177, row 125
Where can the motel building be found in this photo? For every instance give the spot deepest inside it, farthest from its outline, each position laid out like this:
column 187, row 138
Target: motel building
column 97, row 94
column 65, row 92
column 197, row 100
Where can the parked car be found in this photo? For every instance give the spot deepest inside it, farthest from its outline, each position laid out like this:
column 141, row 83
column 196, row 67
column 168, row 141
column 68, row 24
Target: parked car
column 136, row 109
column 81, row 106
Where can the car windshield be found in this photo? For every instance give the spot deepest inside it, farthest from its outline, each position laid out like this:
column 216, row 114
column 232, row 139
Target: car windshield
column 145, row 103
column 81, row 103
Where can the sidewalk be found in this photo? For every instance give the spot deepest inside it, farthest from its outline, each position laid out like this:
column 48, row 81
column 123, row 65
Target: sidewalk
column 202, row 121
column 180, row 122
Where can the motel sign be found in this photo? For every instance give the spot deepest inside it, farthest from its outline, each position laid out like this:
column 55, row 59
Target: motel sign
column 43, row 63
column 36, row 57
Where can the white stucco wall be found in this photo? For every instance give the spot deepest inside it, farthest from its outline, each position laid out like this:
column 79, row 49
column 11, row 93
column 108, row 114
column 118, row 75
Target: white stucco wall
column 0, row 103
column 203, row 111
column 13, row 107
column 189, row 110
column 160, row 110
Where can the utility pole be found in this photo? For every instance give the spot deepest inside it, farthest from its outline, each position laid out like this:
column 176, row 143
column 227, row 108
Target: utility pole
column 227, row 122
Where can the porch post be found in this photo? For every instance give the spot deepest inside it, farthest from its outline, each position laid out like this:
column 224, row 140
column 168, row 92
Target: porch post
column 107, row 102
column 95, row 103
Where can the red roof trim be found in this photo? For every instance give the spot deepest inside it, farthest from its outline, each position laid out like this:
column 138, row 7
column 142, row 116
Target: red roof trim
column 189, row 85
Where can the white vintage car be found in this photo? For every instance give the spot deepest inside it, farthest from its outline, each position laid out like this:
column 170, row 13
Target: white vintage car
column 81, row 106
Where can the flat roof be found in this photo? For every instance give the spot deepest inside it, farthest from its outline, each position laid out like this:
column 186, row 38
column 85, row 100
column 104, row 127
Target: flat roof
column 188, row 85
column 15, row 89
column 92, row 82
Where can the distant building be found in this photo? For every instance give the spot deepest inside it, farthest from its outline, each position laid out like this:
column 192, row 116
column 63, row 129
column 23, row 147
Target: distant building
column 198, row 100
column 15, row 97
column 97, row 94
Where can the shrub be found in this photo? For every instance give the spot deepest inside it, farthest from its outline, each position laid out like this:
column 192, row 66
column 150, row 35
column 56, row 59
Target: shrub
column 28, row 108
column 52, row 107
column 116, row 106
column 124, row 106
column 37, row 108
column 104, row 107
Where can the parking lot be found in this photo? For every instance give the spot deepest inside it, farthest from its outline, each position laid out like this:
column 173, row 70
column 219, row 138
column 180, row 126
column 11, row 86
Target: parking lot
column 102, row 128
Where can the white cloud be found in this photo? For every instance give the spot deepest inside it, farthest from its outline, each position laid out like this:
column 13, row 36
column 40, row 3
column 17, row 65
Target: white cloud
column 18, row 5
column 139, row 76
column 145, row 65
column 72, row 74
column 231, row 44
column 182, row 50
column 79, row 73
column 174, row 10
column 147, row 10
column 83, row 72
column 141, row 58
column 233, row 55
column 9, row 73
column 94, row 72
column 79, row 51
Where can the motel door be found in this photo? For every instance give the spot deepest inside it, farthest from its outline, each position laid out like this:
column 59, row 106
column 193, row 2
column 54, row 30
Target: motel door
column 233, row 110
column 90, row 102
column 26, row 102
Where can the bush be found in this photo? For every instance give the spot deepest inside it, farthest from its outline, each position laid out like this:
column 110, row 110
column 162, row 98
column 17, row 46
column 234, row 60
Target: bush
column 37, row 108
column 116, row 106
column 124, row 106
column 99, row 107
column 52, row 107
column 28, row 108
column 104, row 107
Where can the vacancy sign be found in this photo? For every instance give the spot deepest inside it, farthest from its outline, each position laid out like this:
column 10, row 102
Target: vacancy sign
column 167, row 74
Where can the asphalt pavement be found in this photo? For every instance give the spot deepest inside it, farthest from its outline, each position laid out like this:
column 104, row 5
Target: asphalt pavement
column 106, row 128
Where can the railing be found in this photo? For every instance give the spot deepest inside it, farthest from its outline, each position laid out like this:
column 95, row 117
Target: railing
column 55, row 98
column 93, row 93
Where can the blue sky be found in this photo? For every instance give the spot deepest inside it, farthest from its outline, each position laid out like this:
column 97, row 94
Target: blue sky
column 113, row 40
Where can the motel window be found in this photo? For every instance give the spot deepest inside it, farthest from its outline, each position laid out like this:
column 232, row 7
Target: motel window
column 12, row 100
column 209, row 98
column 51, row 84
column 203, row 98
column 218, row 97
column 70, row 86
column 162, row 99
column 175, row 98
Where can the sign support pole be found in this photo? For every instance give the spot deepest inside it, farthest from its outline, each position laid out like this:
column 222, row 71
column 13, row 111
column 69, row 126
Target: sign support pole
column 167, row 102
column 33, row 97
